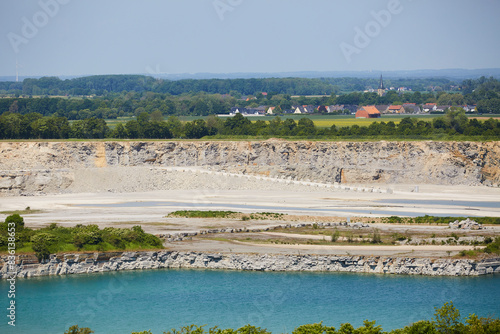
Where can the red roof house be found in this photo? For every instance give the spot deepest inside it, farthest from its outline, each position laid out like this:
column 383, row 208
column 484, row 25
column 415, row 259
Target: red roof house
column 368, row 112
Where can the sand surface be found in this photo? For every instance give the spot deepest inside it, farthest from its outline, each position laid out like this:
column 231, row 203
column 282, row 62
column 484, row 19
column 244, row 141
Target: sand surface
column 150, row 209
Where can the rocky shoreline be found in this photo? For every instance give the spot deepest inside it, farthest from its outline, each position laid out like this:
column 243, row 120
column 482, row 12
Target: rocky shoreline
column 67, row 264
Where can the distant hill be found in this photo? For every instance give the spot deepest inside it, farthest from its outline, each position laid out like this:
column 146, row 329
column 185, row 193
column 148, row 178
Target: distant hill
column 451, row 74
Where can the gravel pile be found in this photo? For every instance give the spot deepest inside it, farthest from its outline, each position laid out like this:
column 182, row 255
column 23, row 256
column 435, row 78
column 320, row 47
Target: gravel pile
column 140, row 179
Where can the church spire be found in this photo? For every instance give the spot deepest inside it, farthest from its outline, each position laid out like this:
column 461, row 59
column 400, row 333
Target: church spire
column 381, row 88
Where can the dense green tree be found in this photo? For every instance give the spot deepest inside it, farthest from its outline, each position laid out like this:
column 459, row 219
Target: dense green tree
column 237, row 125
column 156, row 130
column 214, row 125
column 288, row 127
column 119, row 132
column 91, row 128
column 10, row 126
column 156, row 116
column 134, row 129
column 15, row 219
column 447, row 319
column 455, row 119
column 40, row 243
column 305, row 127
column 51, row 128
column 175, row 126
column 196, row 129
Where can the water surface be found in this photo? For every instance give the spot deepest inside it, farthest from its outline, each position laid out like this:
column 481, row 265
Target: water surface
column 122, row 302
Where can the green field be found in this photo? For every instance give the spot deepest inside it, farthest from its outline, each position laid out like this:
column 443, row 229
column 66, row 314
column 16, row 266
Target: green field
column 321, row 121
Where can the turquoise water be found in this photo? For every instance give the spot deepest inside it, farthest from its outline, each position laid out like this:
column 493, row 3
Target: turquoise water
column 331, row 209
column 122, row 302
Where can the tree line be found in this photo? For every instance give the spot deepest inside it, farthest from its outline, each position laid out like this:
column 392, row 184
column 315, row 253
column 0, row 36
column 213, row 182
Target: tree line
column 455, row 124
column 104, row 84
column 446, row 320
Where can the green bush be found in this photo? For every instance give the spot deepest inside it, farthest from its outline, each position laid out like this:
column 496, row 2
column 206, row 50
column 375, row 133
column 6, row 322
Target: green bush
column 40, row 243
column 53, row 239
column 376, row 238
column 77, row 330
column 446, row 321
column 314, row 329
column 335, row 235
column 202, row 214
column 493, row 247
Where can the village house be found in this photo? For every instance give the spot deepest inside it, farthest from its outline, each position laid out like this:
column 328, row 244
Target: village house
column 368, row 112
column 471, row 108
column 260, row 111
column 411, row 108
column 428, row 107
column 396, row 109
column 382, row 108
column 335, row 108
column 442, row 108
column 303, row 109
column 353, row 108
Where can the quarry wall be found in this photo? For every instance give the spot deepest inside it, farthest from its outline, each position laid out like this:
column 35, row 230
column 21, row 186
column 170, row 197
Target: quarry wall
column 30, row 167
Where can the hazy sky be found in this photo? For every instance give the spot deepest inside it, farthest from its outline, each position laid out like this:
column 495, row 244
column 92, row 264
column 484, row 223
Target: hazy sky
column 77, row 37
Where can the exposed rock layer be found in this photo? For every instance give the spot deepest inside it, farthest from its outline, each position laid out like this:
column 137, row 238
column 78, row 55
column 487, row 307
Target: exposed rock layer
column 41, row 166
column 28, row 266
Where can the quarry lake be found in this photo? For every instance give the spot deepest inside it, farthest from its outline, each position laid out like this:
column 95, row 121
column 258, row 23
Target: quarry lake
column 379, row 207
column 158, row 300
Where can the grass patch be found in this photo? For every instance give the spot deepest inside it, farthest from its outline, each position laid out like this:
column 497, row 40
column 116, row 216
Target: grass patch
column 438, row 220
column 27, row 211
column 226, row 215
column 202, row 214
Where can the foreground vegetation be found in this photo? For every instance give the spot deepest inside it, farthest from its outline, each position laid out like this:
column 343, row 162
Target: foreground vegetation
column 53, row 239
column 437, row 220
column 446, row 320
column 455, row 125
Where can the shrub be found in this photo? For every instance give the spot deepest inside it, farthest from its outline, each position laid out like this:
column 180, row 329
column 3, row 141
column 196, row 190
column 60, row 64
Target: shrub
column 335, row 235
column 493, row 247
column 447, row 319
column 87, row 235
column 40, row 243
column 16, row 219
column 399, row 236
column 467, row 253
column 77, row 330
column 376, row 239
column 314, row 329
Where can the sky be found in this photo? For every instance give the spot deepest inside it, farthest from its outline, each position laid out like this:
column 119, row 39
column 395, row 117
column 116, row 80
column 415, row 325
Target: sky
column 86, row 37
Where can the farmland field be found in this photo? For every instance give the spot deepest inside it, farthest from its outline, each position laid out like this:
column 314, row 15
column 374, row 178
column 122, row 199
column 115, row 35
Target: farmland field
column 322, row 121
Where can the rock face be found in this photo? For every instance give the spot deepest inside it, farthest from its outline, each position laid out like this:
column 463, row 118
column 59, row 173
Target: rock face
column 27, row 266
column 41, row 166
column 466, row 224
